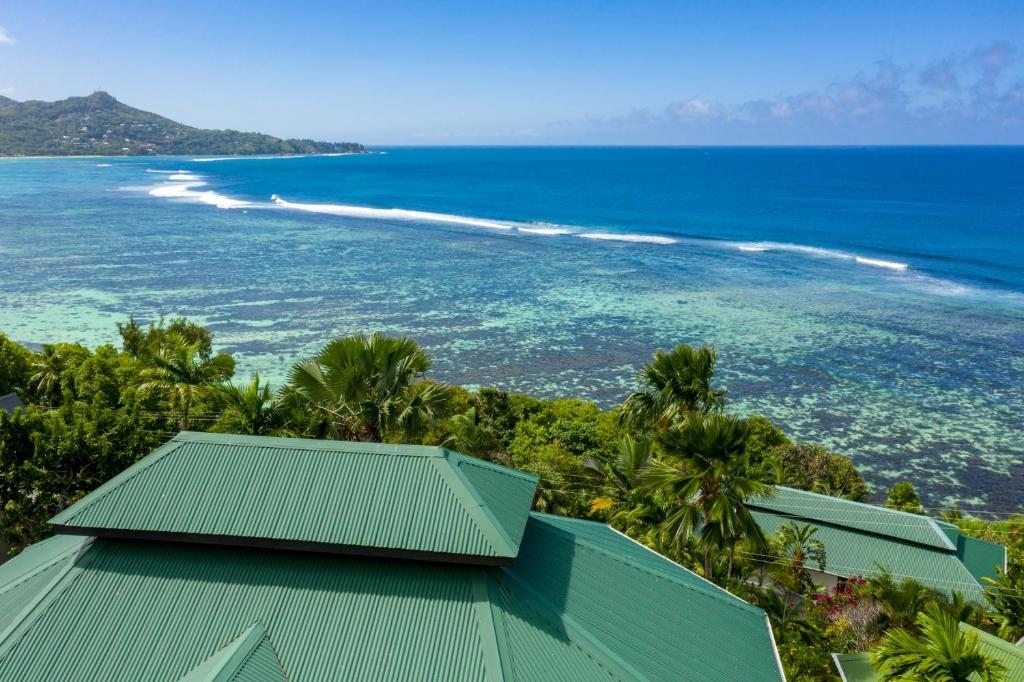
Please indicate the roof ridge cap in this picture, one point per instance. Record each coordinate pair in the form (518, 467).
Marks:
(932, 523)
(154, 458)
(490, 466)
(719, 593)
(288, 443)
(488, 525)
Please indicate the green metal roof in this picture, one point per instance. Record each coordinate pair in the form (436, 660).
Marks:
(865, 518)
(857, 667)
(860, 538)
(581, 602)
(250, 657)
(394, 500)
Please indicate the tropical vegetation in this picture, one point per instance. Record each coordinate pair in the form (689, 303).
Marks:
(671, 467)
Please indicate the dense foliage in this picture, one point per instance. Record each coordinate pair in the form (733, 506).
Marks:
(671, 468)
(99, 124)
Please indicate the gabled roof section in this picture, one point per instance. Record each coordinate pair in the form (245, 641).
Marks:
(250, 657)
(849, 553)
(860, 538)
(288, 493)
(802, 505)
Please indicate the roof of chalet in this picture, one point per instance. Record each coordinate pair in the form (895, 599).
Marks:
(857, 667)
(333, 496)
(577, 601)
(859, 538)
(9, 402)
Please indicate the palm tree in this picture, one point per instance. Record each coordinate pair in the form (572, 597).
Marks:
(47, 369)
(179, 370)
(470, 436)
(707, 478)
(673, 384)
(797, 548)
(900, 601)
(628, 506)
(251, 409)
(369, 387)
(1005, 593)
(942, 653)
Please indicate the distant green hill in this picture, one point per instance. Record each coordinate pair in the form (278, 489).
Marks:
(99, 124)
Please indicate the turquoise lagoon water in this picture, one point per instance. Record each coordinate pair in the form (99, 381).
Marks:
(868, 299)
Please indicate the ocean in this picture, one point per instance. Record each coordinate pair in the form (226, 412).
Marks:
(869, 299)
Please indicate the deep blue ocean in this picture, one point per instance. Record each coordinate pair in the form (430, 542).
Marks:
(871, 299)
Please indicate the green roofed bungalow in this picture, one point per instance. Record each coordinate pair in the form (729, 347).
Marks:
(246, 558)
(860, 538)
(857, 667)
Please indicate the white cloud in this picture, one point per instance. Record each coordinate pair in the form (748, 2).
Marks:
(5, 37)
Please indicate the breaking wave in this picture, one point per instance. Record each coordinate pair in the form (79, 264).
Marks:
(819, 252)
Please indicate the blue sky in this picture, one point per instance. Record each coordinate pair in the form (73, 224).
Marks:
(550, 72)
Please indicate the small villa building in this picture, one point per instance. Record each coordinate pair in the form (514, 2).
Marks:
(860, 539)
(252, 559)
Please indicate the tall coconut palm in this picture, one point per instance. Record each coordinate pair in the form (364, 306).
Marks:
(707, 478)
(47, 368)
(179, 371)
(797, 548)
(673, 384)
(942, 653)
(251, 409)
(369, 387)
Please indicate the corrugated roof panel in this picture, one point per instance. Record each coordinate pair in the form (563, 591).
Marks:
(154, 611)
(537, 645)
(23, 581)
(853, 553)
(666, 624)
(866, 518)
(345, 496)
(1012, 657)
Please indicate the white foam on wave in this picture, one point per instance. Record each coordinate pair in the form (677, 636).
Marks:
(546, 231)
(390, 214)
(103, 165)
(184, 177)
(187, 191)
(155, 170)
(820, 252)
(879, 263)
(626, 237)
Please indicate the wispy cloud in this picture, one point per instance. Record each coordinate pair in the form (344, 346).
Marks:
(976, 96)
(5, 37)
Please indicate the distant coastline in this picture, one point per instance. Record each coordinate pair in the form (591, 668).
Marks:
(101, 126)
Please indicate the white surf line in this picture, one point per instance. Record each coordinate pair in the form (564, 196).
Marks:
(183, 186)
(879, 263)
(626, 237)
(819, 252)
(390, 214)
